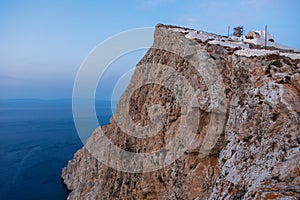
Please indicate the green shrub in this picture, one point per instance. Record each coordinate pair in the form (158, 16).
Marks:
(275, 116)
(277, 63)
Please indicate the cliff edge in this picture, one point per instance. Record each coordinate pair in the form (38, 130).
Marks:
(240, 102)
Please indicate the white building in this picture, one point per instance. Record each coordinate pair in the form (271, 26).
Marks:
(259, 39)
(262, 34)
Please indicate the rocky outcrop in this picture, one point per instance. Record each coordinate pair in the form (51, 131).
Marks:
(242, 106)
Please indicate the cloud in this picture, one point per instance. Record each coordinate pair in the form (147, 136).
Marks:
(255, 4)
(7, 80)
(152, 3)
(190, 21)
(5, 77)
(217, 15)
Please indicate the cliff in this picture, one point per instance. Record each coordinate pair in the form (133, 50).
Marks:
(224, 118)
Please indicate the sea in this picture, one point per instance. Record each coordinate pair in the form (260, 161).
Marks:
(37, 138)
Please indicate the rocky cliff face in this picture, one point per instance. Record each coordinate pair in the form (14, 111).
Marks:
(241, 104)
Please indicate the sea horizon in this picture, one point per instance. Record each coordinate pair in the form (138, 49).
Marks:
(37, 138)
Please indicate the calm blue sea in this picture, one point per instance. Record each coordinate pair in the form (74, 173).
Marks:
(37, 138)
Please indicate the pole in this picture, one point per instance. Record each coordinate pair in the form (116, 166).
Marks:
(228, 31)
(265, 36)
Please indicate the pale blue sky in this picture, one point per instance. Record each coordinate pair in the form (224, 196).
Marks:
(43, 43)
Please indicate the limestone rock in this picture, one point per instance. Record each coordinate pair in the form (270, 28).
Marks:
(254, 156)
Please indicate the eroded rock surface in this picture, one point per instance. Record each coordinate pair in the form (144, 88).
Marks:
(256, 155)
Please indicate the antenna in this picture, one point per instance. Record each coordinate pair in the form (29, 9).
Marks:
(228, 31)
(265, 36)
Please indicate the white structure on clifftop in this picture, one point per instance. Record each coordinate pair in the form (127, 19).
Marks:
(257, 37)
(237, 42)
(260, 38)
(262, 34)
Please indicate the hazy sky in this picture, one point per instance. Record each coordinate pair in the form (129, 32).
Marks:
(43, 43)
